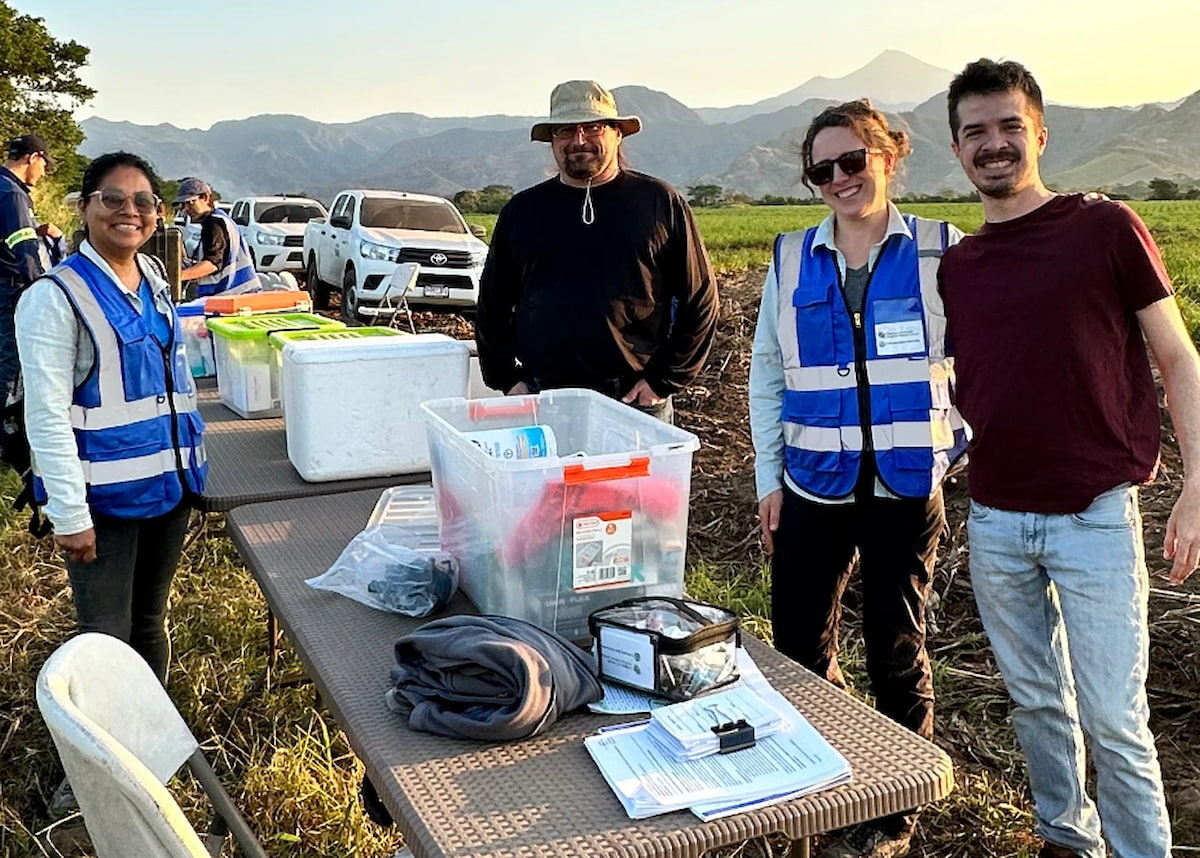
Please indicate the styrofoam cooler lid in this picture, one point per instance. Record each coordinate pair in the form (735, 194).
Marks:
(279, 339)
(314, 351)
(260, 327)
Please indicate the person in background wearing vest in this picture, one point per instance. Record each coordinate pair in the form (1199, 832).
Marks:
(1051, 306)
(854, 426)
(111, 411)
(222, 263)
(26, 245)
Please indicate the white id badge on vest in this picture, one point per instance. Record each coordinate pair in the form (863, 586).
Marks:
(899, 327)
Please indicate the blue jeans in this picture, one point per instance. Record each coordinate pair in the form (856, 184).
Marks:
(1063, 600)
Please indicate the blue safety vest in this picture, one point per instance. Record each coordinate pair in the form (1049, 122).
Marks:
(136, 427)
(237, 268)
(876, 384)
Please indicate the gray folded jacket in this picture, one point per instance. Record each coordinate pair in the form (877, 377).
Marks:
(488, 677)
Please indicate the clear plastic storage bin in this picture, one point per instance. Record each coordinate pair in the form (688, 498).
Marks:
(247, 376)
(197, 341)
(550, 540)
(353, 402)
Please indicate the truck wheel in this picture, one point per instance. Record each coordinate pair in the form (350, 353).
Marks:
(318, 289)
(349, 296)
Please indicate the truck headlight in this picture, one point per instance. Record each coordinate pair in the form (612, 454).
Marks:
(370, 250)
(269, 238)
(478, 257)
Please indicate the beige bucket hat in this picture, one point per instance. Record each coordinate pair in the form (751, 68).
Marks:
(580, 101)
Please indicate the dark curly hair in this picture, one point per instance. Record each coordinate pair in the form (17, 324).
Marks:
(987, 77)
(867, 123)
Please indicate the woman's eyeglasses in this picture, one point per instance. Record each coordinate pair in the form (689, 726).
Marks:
(114, 200)
(854, 161)
(589, 129)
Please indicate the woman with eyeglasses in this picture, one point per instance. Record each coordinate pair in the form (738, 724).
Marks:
(854, 426)
(110, 410)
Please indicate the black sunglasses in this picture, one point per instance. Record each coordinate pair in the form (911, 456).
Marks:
(854, 161)
(114, 200)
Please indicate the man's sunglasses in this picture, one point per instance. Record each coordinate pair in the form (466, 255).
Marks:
(589, 129)
(114, 200)
(854, 161)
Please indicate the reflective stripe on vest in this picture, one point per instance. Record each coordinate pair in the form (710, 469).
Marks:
(237, 268)
(915, 431)
(136, 444)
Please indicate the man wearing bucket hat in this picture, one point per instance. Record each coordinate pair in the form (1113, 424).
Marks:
(24, 252)
(597, 277)
(222, 262)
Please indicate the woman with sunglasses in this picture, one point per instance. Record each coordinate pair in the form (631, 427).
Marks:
(853, 425)
(110, 410)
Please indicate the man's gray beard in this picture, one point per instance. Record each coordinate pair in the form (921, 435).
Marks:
(587, 169)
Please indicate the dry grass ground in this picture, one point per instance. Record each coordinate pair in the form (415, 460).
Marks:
(289, 767)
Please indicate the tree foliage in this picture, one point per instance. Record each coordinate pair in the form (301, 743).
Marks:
(703, 196)
(1163, 189)
(489, 200)
(39, 86)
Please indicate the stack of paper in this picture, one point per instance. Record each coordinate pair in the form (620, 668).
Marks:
(647, 779)
(686, 730)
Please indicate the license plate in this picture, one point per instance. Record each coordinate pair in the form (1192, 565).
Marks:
(437, 291)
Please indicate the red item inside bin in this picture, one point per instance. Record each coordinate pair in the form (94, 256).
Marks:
(559, 504)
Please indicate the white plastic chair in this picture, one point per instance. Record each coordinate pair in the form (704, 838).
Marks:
(120, 739)
(403, 279)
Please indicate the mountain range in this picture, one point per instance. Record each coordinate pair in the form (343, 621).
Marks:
(748, 148)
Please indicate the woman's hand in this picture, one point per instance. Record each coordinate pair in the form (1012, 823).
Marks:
(80, 547)
(768, 518)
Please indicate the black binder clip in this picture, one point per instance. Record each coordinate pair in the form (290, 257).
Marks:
(734, 736)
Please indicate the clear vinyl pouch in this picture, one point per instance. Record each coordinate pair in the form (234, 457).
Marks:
(674, 648)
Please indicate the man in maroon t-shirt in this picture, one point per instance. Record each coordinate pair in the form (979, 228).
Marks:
(1050, 307)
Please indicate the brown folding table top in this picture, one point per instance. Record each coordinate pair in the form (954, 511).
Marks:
(543, 796)
(248, 460)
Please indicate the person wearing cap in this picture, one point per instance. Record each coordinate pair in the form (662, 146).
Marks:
(222, 262)
(597, 277)
(26, 246)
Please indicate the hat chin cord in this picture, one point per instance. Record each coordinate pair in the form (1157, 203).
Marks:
(588, 215)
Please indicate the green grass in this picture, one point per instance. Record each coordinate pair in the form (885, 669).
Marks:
(739, 238)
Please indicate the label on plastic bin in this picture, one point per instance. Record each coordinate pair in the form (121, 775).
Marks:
(524, 442)
(602, 550)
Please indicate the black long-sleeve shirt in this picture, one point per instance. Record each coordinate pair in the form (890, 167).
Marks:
(630, 296)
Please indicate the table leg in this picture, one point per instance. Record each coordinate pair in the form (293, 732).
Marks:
(272, 640)
(798, 849)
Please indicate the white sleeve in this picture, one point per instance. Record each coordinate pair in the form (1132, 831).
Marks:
(47, 333)
(766, 392)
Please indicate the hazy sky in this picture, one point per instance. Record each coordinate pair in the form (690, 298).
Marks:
(192, 64)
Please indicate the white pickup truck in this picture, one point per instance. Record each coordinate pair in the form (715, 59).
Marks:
(369, 233)
(273, 229)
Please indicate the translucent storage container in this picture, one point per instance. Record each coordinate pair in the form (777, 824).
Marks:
(247, 377)
(202, 360)
(550, 540)
(354, 402)
(282, 301)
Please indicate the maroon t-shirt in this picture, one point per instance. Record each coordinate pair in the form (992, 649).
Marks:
(1053, 376)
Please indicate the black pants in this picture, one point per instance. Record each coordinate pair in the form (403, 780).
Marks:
(124, 591)
(896, 541)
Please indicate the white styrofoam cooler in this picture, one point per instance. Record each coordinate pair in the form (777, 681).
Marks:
(353, 406)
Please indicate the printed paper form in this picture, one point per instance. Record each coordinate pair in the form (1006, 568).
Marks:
(648, 782)
(685, 730)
